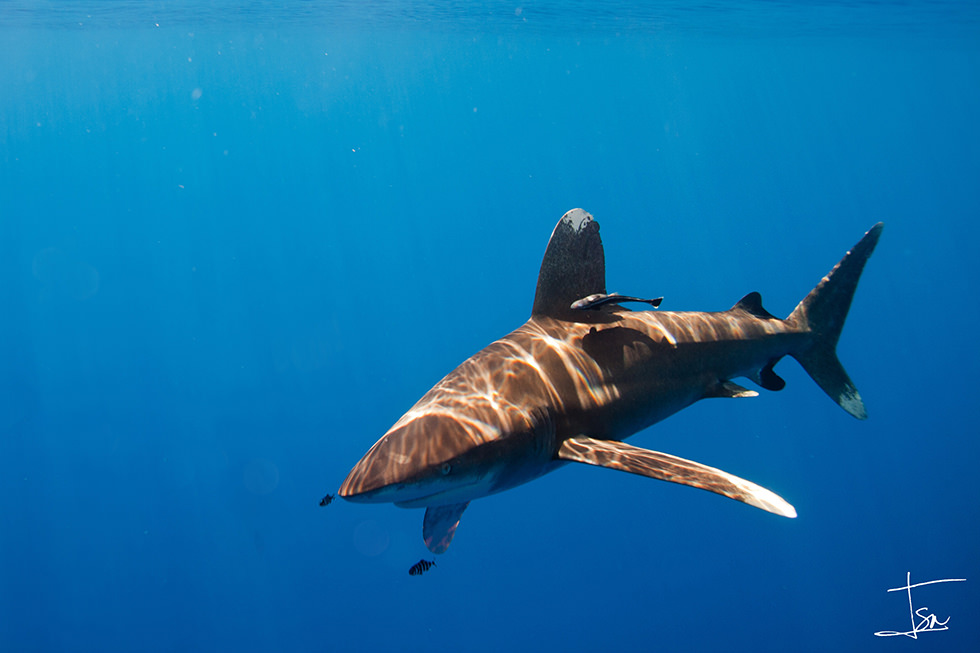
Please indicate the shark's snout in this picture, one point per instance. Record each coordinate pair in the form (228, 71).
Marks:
(411, 461)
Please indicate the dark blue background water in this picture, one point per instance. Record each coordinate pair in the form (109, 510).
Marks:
(238, 242)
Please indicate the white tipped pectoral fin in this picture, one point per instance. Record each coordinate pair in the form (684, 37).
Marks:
(662, 466)
(439, 525)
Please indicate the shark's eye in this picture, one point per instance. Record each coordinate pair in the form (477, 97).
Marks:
(446, 468)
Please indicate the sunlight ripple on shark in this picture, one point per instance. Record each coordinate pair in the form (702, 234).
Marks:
(584, 373)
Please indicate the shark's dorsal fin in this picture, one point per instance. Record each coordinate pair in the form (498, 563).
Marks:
(662, 466)
(752, 304)
(439, 525)
(574, 266)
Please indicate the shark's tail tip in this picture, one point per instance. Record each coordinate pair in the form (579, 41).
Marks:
(822, 314)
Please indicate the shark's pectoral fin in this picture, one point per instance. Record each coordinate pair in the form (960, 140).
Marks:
(439, 525)
(654, 464)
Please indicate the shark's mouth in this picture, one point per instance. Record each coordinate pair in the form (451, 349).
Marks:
(460, 491)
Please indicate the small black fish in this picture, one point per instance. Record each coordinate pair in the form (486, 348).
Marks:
(421, 567)
(325, 501)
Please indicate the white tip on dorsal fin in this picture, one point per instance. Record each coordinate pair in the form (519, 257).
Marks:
(662, 466)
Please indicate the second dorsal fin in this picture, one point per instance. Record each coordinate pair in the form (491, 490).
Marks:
(752, 304)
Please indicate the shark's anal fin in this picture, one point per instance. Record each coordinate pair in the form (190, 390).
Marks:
(439, 525)
(662, 466)
(768, 379)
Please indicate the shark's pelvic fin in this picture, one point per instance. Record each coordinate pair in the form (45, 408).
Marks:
(662, 466)
(439, 525)
(729, 390)
(822, 313)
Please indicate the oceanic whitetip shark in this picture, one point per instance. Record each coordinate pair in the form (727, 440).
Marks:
(584, 373)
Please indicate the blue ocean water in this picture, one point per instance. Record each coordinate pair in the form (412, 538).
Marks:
(239, 240)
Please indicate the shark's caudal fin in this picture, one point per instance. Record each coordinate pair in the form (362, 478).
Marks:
(822, 313)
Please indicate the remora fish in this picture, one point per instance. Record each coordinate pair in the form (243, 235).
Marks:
(571, 384)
